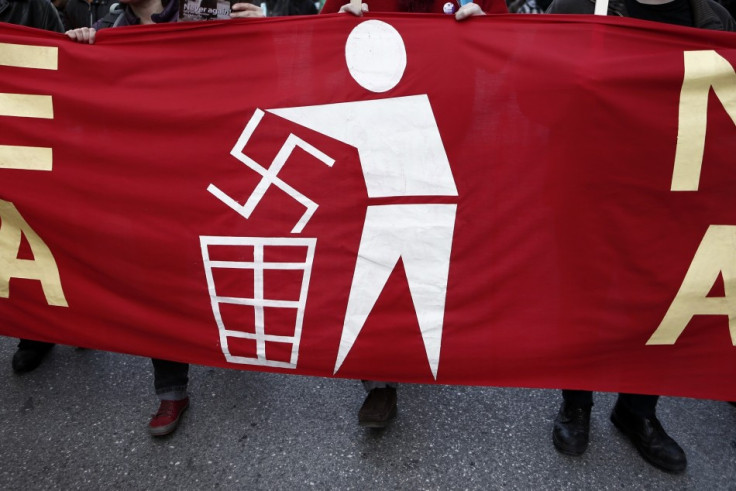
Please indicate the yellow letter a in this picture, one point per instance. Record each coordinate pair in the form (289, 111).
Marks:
(715, 255)
(42, 267)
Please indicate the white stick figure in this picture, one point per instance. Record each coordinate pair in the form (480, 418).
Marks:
(401, 154)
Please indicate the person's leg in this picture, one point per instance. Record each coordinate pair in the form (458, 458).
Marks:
(170, 380)
(635, 416)
(578, 397)
(379, 406)
(369, 385)
(571, 430)
(29, 355)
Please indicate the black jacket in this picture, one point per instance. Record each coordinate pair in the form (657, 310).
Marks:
(32, 13)
(277, 8)
(80, 13)
(122, 15)
(707, 14)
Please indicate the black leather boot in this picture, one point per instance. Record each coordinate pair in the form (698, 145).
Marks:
(379, 408)
(650, 439)
(571, 430)
(30, 354)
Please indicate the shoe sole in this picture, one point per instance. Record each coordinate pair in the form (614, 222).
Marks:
(377, 425)
(620, 427)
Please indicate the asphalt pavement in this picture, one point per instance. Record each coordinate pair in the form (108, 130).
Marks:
(79, 422)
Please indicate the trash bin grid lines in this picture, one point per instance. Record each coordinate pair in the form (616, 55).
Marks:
(260, 265)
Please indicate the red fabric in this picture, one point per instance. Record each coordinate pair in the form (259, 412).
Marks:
(488, 6)
(568, 245)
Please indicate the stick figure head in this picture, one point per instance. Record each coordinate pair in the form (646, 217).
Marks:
(375, 55)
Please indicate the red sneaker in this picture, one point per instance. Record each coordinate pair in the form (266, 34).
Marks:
(167, 417)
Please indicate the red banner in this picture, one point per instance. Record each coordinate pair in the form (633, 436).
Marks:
(533, 201)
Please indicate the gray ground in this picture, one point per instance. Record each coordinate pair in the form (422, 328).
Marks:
(79, 422)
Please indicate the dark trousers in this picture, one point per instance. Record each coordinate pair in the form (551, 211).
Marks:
(170, 378)
(642, 405)
(28, 344)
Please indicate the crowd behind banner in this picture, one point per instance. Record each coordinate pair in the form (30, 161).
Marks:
(633, 414)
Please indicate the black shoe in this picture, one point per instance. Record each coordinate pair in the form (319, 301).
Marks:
(378, 409)
(28, 358)
(572, 426)
(650, 439)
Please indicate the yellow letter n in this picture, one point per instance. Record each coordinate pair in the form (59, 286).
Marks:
(703, 70)
(715, 256)
(42, 267)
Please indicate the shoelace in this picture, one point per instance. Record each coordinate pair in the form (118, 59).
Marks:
(166, 410)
